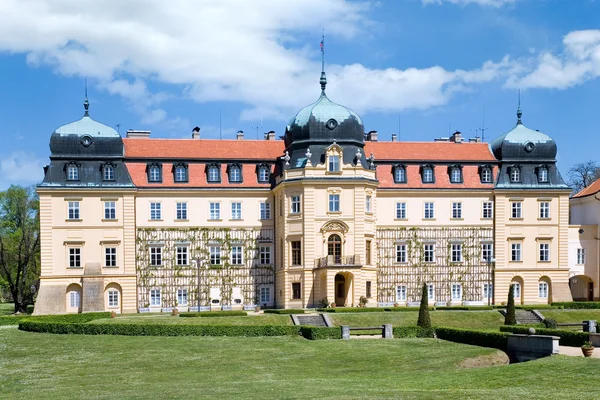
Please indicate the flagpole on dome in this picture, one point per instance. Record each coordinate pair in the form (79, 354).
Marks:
(323, 80)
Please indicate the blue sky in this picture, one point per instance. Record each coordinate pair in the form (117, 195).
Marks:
(435, 63)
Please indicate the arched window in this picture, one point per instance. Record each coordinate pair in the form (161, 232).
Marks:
(334, 248)
(427, 174)
(486, 174)
(154, 173)
(542, 174)
(214, 173)
(264, 173)
(456, 174)
(108, 172)
(72, 171)
(74, 299)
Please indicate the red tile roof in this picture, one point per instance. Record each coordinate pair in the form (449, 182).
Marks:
(471, 179)
(429, 151)
(590, 190)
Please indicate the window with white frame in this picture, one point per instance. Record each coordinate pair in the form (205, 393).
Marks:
(544, 252)
(429, 253)
(430, 292)
(74, 299)
(515, 174)
(182, 255)
(155, 256)
(155, 298)
(75, 257)
(155, 211)
(543, 290)
(73, 210)
(516, 209)
(235, 173)
(265, 210)
(215, 255)
(110, 210)
(265, 294)
(487, 252)
(108, 173)
(544, 209)
(456, 291)
(264, 255)
(214, 173)
(515, 252)
(400, 174)
(113, 298)
(486, 175)
(334, 202)
(214, 211)
(542, 174)
(487, 209)
(429, 210)
(401, 293)
(455, 175)
(401, 253)
(457, 210)
(516, 290)
(182, 297)
(368, 203)
(72, 172)
(334, 163)
(180, 173)
(580, 256)
(263, 174)
(456, 249)
(488, 290)
(427, 174)
(110, 256)
(295, 205)
(154, 173)
(236, 255)
(236, 210)
(181, 211)
(400, 210)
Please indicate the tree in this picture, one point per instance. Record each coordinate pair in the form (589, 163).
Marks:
(510, 318)
(583, 175)
(19, 244)
(424, 319)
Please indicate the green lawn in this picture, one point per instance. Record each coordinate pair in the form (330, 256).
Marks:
(6, 308)
(45, 366)
(566, 316)
(265, 319)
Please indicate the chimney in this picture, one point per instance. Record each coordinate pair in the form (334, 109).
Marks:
(475, 139)
(135, 134)
(456, 137)
(441, 139)
(394, 137)
(372, 136)
(240, 135)
(270, 135)
(196, 133)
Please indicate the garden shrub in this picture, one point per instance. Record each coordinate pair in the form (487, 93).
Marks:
(496, 340)
(510, 317)
(567, 338)
(320, 332)
(578, 304)
(13, 319)
(413, 332)
(285, 311)
(214, 314)
(424, 320)
(550, 323)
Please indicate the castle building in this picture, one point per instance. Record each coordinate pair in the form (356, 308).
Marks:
(328, 215)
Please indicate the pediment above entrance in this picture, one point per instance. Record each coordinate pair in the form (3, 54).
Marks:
(335, 226)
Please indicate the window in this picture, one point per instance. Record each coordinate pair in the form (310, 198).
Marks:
(214, 211)
(265, 210)
(488, 290)
(264, 254)
(544, 210)
(75, 257)
(516, 290)
(429, 210)
(486, 175)
(515, 174)
(113, 298)
(334, 203)
(182, 297)
(543, 290)
(401, 253)
(182, 255)
(236, 210)
(487, 252)
(515, 252)
(334, 164)
(427, 174)
(544, 251)
(456, 291)
(180, 173)
(265, 294)
(155, 297)
(108, 173)
(368, 252)
(110, 256)
(456, 249)
(72, 172)
(154, 173)
(430, 292)
(456, 210)
(400, 210)
(295, 205)
(516, 208)
(181, 211)
(542, 174)
(155, 256)
(263, 174)
(236, 257)
(214, 173)
(368, 204)
(215, 255)
(455, 175)
(235, 173)
(296, 292)
(487, 209)
(580, 256)
(73, 208)
(401, 293)
(74, 299)
(155, 211)
(429, 253)
(296, 253)
(110, 210)
(400, 174)
(368, 289)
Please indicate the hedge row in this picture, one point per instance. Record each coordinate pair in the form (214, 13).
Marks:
(320, 333)
(285, 311)
(214, 314)
(579, 304)
(413, 332)
(567, 338)
(496, 340)
(400, 309)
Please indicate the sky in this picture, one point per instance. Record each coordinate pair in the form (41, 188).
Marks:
(423, 68)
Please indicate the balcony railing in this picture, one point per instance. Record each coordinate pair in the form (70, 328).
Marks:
(337, 261)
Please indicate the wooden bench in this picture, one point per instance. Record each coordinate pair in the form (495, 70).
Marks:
(386, 330)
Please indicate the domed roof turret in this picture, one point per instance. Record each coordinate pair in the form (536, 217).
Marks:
(87, 126)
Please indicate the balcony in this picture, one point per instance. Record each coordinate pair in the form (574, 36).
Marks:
(339, 261)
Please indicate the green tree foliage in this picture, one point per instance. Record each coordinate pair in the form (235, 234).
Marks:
(510, 318)
(424, 319)
(19, 244)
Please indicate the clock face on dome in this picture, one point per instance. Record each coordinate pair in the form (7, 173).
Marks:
(331, 124)
(86, 140)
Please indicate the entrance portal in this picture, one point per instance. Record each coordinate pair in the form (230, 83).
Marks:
(340, 290)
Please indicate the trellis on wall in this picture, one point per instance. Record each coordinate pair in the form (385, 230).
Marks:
(169, 277)
(471, 273)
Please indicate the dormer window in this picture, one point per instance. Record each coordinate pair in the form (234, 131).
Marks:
(213, 173)
(427, 174)
(334, 163)
(515, 174)
(154, 173)
(72, 171)
(235, 173)
(180, 173)
(542, 174)
(264, 173)
(108, 172)
(399, 174)
(485, 173)
(456, 174)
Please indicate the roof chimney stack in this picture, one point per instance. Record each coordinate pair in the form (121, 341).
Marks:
(196, 133)
(394, 137)
(372, 136)
(240, 135)
(270, 135)
(456, 137)
(136, 134)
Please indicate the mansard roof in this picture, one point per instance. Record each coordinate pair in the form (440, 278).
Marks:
(430, 151)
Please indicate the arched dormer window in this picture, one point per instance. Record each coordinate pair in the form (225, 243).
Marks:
(485, 174)
(213, 173)
(264, 173)
(235, 173)
(455, 172)
(334, 157)
(542, 174)
(154, 172)
(515, 173)
(108, 171)
(72, 171)
(427, 175)
(399, 173)
(180, 172)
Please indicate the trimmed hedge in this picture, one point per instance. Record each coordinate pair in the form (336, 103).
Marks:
(286, 311)
(350, 309)
(402, 309)
(496, 340)
(413, 332)
(214, 314)
(530, 307)
(320, 332)
(579, 304)
(567, 338)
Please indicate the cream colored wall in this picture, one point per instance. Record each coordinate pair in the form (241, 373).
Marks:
(585, 240)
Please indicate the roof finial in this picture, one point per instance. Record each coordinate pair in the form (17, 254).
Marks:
(323, 80)
(86, 103)
(519, 112)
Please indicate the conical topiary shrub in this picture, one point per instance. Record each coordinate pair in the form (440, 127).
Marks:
(424, 319)
(510, 318)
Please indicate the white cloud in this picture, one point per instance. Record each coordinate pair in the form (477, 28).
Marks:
(20, 168)
(489, 3)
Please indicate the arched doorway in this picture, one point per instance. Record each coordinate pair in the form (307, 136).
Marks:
(517, 284)
(334, 248)
(73, 298)
(582, 288)
(340, 290)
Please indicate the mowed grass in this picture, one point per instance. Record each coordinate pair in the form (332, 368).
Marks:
(265, 319)
(567, 316)
(46, 366)
(6, 308)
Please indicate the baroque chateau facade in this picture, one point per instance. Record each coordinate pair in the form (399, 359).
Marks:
(327, 215)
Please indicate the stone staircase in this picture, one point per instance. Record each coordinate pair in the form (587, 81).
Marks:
(526, 317)
(312, 320)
